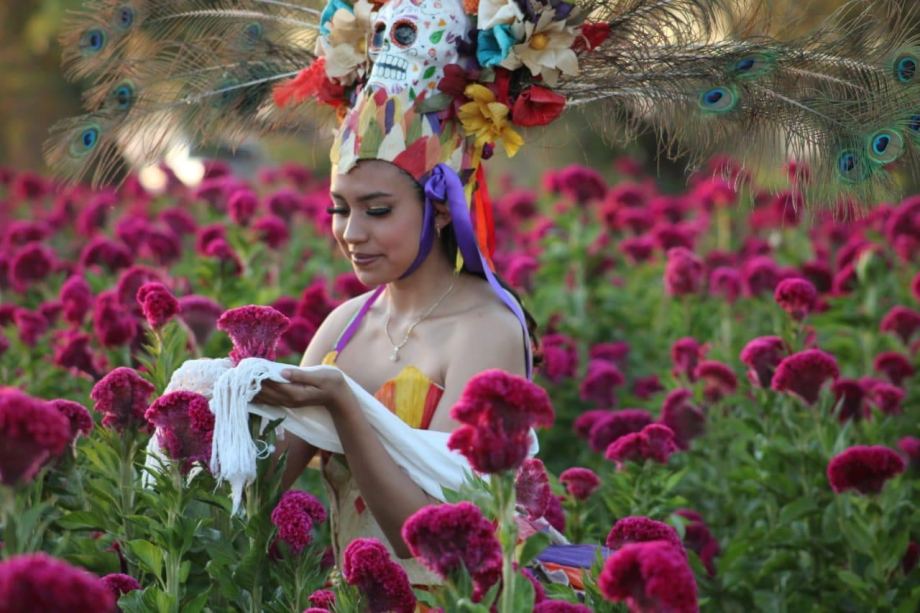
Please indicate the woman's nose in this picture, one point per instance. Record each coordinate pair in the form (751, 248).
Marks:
(355, 231)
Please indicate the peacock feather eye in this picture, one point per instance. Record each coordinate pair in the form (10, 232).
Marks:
(913, 124)
(885, 146)
(851, 167)
(123, 96)
(718, 100)
(905, 68)
(124, 17)
(752, 66)
(226, 92)
(85, 141)
(93, 41)
(253, 32)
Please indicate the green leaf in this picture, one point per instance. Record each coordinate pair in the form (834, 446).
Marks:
(797, 509)
(196, 604)
(436, 37)
(533, 546)
(81, 520)
(429, 72)
(149, 555)
(853, 580)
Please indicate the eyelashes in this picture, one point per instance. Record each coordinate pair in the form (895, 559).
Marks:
(342, 210)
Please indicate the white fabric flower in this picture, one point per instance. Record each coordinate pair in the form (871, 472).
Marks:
(546, 49)
(497, 12)
(345, 48)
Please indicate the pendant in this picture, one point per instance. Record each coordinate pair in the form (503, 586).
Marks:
(394, 357)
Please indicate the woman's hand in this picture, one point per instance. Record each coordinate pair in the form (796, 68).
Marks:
(325, 387)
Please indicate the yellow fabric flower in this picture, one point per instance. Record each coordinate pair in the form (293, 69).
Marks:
(487, 120)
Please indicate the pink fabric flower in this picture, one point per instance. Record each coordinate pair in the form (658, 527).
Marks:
(531, 487)
(560, 357)
(725, 281)
(30, 265)
(894, 365)
(686, 354)
(559, 606)
(650, 577)
(38, 582)
(864, 469)
(200, 314)
(185, 427)
(367, 565)
(81, 422)
(294, 516)
(254, 330)
(600, 384)
(445, 536)
(805, 373)
(640, 529)
(580, 482)
(684, 418)
(120, 584)
(497, 410)
(850, 400)
(762, 355)
(683, 273)
(700, 540)
(797, 297)
(901, 321)
(121, 396)
(272, 230)
(31, 432)
(76, 299)
(616, 424)
(653, 442)
(157, 303)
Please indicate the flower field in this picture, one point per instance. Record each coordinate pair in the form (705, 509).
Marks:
(727, 403)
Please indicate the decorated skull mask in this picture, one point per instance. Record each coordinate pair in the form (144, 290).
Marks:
(411, 43)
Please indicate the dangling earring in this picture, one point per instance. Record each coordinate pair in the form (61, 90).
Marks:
(438, 230)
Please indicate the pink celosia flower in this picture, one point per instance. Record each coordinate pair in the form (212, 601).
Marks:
(559, 606)
(221, 250)
(297, 337)
(600, 383)
(366, 564)
(580, 482)
(120, 584)
(902, 321)
(638, 248)
(163, 245)
(284, 203)
(616, 424)
(910, 446)
(584, 422)
(555, 514)
(639, 529)
(38, 582)
(819, 274)
(850, 400)
(646, 387)
(294, 516)
(580, 183)
(200, 314)
(520, 271)
(242, 205)
(560, 357)
(650, 577)
(112, 323)
(845, 280)
(31, 264)
(686, 354)
(272, 230)
(762, 355)
(348, 285)
(31, 432)
(94, 215)
(121, 396)
(81, 422)
(132, 229)
(103, 251)
(129, 282)
(886, 398)
(157, 303)
(180, 221)
(616, 352)
(915, 287)
(315, 303)
(653, 442)
(684, 418)
(76, 299)
(683, 273)
(894, 365)
(714, 193)
(51, 310)
(805, 373)
(445, 536)
(797, 297)
(719, 379)
(675, 236)
(725, 282)
(497, 410)
(31, 325)
(699, 539)
(864, 468)
(760, 275)
(531, 488)
(185, 427)
(519, 205)
(323, 599)
(254, 330)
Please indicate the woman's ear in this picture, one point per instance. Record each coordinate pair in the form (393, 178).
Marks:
(441, 213)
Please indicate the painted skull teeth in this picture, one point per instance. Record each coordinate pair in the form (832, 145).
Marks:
(389, 66)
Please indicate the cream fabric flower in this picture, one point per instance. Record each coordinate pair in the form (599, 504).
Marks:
(497, 12)
(546, 50)
(345, 49)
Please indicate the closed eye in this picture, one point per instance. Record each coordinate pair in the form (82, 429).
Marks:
(344, 210)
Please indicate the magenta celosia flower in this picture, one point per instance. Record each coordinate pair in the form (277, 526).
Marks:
(845, 280)
(699, 539)
(616, 424)
(684, 418)
(555, 514)
(894, 365)
(713, 193)
(112, 323)
(760, 275)
(254, 330)
(129, 282)
(910, 446)
(864, 468)
(200, 314)
(366, 564)
(164, 245)
(31, 264)
(120, 584)
(122, 397)
(616, 352)
(646, 387)
(850, 399)
(901, 321)
(179, 221)
(638, 248)
(4, 344)
(762, 355)
(915, 287)
(185, 427)
(497, 410)
(81, 422)
(315, 303)
(650, 577)
(559, 606)
(39, 582)
(584, 422)
(76, 299)
(531, 487)
(600, 383)
(103, 251)
(50, 310)
(348, 285)
(580, 183)
(653, 442)
(819, 274)
(31, 325)
(284, 203)
(797, 297)
(725, 282)
(805, 373)
(132, 229)
(886, 398)
(683, 273)
(719, 379)
(294, 516)
(519, 204)
(580, 482)
(157, 303)
(323, 599)
(205, 234)
(686, 354)
(222, 251)
(445, 536)
(639, 529)
(560, 357)
(31, 432)
(272, 230)
(676, 236)
(911, 557)
(242, 205)
(520, 270)
(297, 337)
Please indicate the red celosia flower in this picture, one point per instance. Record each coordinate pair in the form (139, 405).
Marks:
(445, 536)
(284, 203)
(911, 557)
(497, 410)
(683, 273)
(580, 183)
(315, 303)
(294, 515)
(580, 482)
(762, 355)
(864, 468)
(81, 422)
(714, 192)
(242, 205)
(121, 396)
(886, 398)
(915, 287)
(129, 282)
(32, 326)
(520, 270)
(677, 236)
(599, 385)
(699, 539)
(725, 282)
(719, 379)
(272, 230)
(76, 299)
(894, 365)
(559, 606)
(348, 285)
(200, 314)
(797, 297)
(901, 321)
(639, 529)
(653, 442)
(560, 357)
(221, 250)
(366, 564)
(112, 323)
(805, 373)
(164, 245)
(38, 582)
(31, 432)
(31, 264)
(185, 427)
(531, 487)
(323, 599)
(132, 229)
(120, 584)
(845, 280)
(555, 514)
(686, 354)
(650, 577)
(157, 303)
(684, 418)
(205, 234)
(609, 428)
(297, 336)
(910, 446)
(819, 274)
(760, 274)
(103, 251)
(254, 330)
(646, 387)
(638, 248)
(615, 352)
(850, 398)
(584, 422)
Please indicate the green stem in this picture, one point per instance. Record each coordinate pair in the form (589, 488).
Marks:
(126, 481)
(7, 515)
(174, 557)
(508, 531)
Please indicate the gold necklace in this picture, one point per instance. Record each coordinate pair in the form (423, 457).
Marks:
(394, 356)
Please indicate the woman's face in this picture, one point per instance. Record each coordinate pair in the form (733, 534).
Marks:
(376, 220)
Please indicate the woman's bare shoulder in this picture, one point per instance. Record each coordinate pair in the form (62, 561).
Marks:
(328, 331)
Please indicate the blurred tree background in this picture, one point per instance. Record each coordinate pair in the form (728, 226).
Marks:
(34, 96)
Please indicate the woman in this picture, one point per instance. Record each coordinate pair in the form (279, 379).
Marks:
(415, 347)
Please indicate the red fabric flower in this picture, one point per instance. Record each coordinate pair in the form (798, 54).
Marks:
(903, 322)
(31, 432)
(600, 384)
(762, 355)
(38, 582)
(684, 418)
(805, 373)
(639, 529)
(653, 442)
(537, 106)
(797, 297)
(616, 424)
(311, 82)
(580, 482)
(591, 35)
(650, 577)
(686, 354)
(366, 564)
(294, 516)
(719, 379)
(254, 330)
(864, 468)
(200, 314)
(157, 303)
(121, 396)
(185, 427)
(531, 487)
(894, 365)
